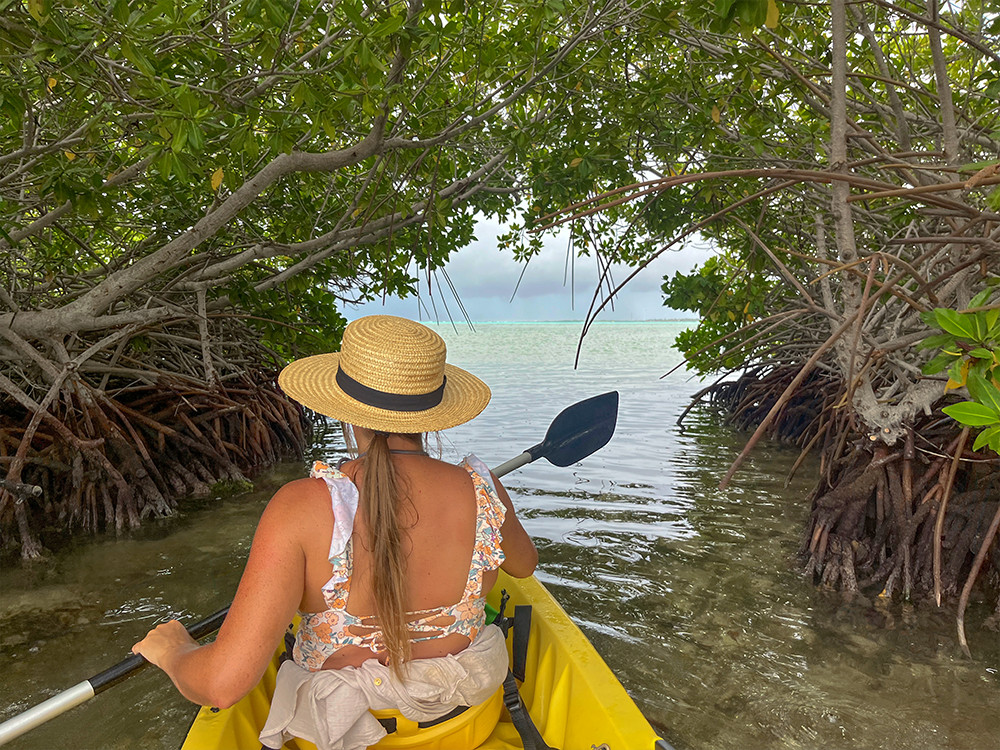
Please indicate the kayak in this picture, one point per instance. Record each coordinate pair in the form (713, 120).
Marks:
(573, 698)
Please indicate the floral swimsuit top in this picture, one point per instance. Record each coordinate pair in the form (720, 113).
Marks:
(321, 634)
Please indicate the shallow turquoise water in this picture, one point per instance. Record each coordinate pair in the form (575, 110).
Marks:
(690, 593)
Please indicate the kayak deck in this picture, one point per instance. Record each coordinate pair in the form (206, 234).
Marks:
(571, 694)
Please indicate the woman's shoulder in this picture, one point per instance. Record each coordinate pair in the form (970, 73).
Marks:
(293, 510)
(439, 476)
(300, 495)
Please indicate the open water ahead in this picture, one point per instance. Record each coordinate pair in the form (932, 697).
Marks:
(689, 592)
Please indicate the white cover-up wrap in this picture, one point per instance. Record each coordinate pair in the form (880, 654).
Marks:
(330, 707)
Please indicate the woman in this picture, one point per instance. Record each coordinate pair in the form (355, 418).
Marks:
(375, 554)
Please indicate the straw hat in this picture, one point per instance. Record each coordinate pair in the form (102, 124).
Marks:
(389, 375)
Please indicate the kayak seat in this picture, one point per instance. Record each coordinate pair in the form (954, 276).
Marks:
(462, 731)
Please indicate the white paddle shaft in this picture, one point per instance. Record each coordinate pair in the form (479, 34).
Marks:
(38, 715)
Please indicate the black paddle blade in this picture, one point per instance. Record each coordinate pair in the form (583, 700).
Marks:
(579, 430)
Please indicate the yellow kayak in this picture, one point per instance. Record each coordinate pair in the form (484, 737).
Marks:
(572, 696)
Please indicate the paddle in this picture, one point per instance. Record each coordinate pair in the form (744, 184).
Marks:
(578, 431)
(84, 691)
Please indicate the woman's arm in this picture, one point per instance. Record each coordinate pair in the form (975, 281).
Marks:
(519, 551)
(222, 672)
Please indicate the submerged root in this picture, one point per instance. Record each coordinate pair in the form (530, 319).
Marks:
(921, 522)
(107, 460)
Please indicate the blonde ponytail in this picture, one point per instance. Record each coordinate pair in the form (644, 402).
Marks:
(380, 500)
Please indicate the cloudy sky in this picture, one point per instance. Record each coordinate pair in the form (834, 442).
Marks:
(486, 278)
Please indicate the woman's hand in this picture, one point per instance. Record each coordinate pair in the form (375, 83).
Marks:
(164, 642)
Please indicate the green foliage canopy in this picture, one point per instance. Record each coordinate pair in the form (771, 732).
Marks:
(734, 141)
(271, 155)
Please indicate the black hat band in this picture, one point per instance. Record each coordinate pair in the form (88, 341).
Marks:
(391, 401)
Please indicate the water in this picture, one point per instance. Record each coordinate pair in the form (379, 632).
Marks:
(689, 592)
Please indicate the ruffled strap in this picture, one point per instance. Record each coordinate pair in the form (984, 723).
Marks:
(491, 512)
(344, 501)
(476, 466)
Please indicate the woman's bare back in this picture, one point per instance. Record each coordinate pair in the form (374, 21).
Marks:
(437, 515)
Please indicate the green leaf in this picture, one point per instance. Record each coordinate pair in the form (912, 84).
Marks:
(180, 137)
(994, 441)
(276, 13)
(135, 56)
(252, 148)
(977, 321)
(955, 374)
(983, 391)
(39, 10)
(722, 7)
(992, 316)
(981, 299)
(939, 363)
(953, 322)
(976, 166)
(298, 94)
(752, 12)
(353, 14)
(180, 168)
(389, 26)
(979, 367)
(938, 341)
(120, 11)
(981, 353)
(990, 436)
(993, 199)
(195, 137)
(166, 164)
(971, 414)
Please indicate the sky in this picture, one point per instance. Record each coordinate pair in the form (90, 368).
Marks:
(485, 280)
